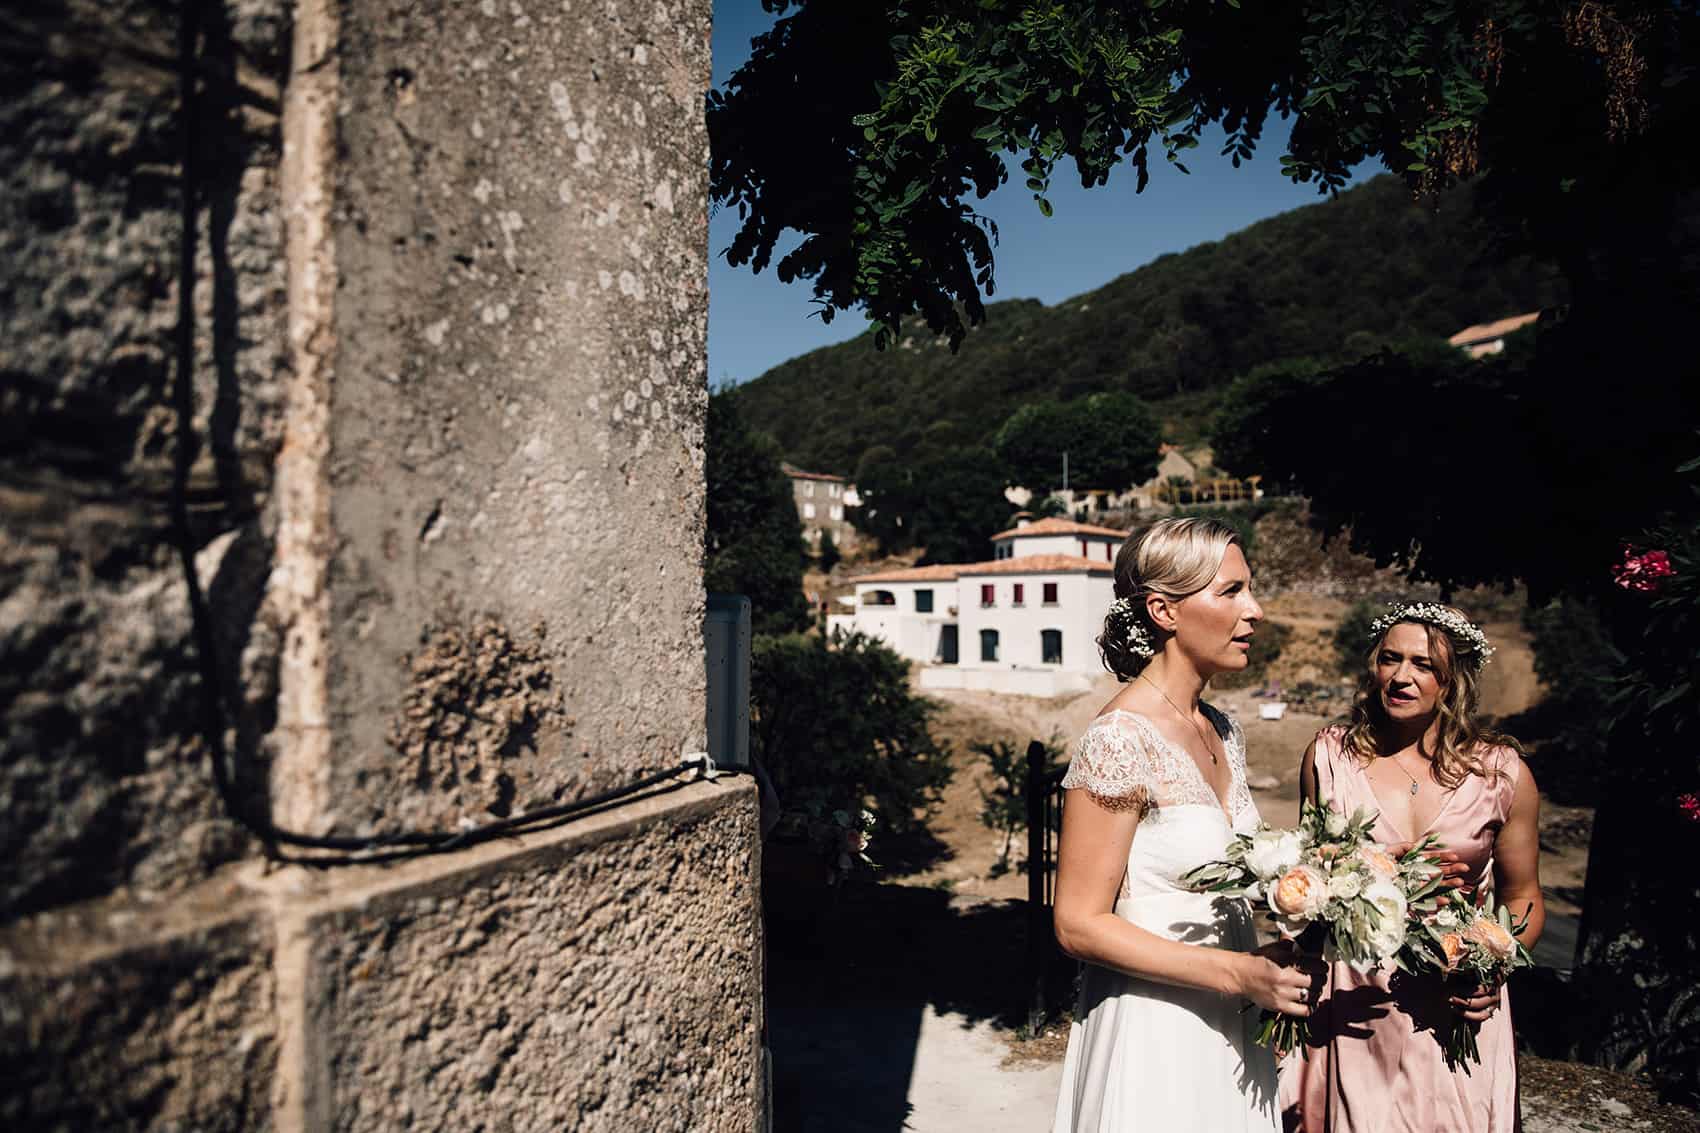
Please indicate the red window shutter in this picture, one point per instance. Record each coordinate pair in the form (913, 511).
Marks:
(1018, 589)
(987, 594)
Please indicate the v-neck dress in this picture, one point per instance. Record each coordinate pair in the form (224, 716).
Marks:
(1375, 1064)
(1144, 1055)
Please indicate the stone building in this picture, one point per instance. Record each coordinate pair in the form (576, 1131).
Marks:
(821, 499)
(387, 321)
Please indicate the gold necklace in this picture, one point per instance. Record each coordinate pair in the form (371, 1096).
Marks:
(1212, 751)
(1415, 786)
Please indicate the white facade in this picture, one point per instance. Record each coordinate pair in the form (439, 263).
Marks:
(1059, 537)
(1025, 625)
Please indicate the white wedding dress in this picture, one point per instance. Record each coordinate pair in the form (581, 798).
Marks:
(1143, 1055)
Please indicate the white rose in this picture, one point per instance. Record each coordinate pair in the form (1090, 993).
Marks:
(1345, 886)
(1446, 918)
(1273, 852)
(1335, 825)
(1387, 939)
(1389, 903)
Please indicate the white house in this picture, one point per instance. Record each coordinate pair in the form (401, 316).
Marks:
(1054, 536)
(1026, 622)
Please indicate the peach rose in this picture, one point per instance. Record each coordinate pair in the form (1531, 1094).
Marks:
(1452, 945)
(1327, 852)
(1492, 937)
(1300, 894)
(1377, 861)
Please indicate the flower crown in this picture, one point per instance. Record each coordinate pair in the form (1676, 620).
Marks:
(1469, 635)
(1123, 617)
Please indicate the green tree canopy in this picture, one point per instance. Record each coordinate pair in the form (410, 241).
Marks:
(754, 541)
(870, 127)
(949, 501)
(1111, 440)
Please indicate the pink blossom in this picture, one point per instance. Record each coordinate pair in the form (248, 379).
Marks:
(1643, 571)
(1689, 804)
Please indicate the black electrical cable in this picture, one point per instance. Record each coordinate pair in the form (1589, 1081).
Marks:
(378, 847)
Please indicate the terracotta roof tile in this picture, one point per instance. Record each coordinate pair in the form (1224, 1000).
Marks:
(1021, 564)
(1499, 328)
(1053, 525)
(938, 572)
(1041, 564)
(796, 473)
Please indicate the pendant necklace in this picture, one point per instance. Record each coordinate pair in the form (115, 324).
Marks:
(1213, 760)
(1414, 784)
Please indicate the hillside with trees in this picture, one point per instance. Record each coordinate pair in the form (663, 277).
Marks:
(1332, 281)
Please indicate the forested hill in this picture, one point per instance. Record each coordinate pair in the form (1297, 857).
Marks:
(1330, 280)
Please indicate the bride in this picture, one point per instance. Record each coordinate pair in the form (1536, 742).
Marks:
(1162, 1037)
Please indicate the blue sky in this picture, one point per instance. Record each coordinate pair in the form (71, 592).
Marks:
(756, 322)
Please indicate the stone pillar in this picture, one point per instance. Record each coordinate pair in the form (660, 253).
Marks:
(439, 283)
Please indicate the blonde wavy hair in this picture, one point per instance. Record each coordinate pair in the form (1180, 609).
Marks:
(1174, 557)
(1461, 743)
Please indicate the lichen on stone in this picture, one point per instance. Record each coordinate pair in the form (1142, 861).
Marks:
(475, 698)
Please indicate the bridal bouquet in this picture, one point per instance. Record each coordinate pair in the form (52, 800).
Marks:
(1470, 946)
(1330, 888)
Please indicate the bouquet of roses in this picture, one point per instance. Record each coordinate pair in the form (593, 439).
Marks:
(1469, 945)
(1330, 888)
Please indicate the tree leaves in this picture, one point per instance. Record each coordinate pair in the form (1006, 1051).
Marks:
(843, 109)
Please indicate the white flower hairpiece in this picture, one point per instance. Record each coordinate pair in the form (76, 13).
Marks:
(1468, 634)
(1124, 618)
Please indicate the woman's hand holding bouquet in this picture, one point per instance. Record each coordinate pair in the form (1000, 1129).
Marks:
(1330, 888)
(1472, 947)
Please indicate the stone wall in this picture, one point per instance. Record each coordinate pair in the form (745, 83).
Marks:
(439, 286)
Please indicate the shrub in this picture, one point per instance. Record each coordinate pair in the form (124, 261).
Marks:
(837, 729)
(1004, 804)
(1351, 637)
(1266, 648)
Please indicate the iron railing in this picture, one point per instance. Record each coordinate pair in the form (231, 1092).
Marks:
(1044, 823)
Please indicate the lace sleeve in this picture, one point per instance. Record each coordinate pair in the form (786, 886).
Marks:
(1114, 766)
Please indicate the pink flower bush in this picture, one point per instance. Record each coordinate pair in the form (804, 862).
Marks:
(1644, 571)
(1689, 804)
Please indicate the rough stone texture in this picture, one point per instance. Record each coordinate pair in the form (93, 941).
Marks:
(519, 387)
(473, 702)
(610, 981)
(102, 776)
(175, 1032)
(507, 200)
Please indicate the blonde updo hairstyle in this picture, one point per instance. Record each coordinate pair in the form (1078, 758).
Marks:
(1173, 558)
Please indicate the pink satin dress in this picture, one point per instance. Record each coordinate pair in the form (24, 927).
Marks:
(1375, 1064)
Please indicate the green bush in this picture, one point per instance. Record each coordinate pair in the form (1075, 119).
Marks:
(837, 729)
(1242, 518)
(1004, 805)
(828, 555)
(1351, 637)
(1266, 647)
(754, 542)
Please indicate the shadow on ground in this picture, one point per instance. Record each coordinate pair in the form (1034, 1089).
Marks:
(850, 975)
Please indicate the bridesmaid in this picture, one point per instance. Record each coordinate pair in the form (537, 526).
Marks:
(1414, 750)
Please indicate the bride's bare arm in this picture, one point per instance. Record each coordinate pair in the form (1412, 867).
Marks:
(1091, 859)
